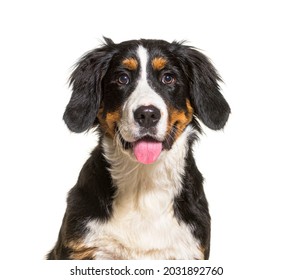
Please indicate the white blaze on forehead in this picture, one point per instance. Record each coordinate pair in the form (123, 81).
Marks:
(143, 95)
(143, 59)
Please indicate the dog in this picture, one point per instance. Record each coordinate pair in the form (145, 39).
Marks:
(140, 194)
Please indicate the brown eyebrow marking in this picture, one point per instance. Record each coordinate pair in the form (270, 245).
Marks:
(159, 63)
(130, 63)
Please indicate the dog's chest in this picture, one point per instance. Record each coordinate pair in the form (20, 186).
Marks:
(143, 225)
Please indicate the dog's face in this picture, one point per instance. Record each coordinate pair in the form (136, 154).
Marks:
(144, 93)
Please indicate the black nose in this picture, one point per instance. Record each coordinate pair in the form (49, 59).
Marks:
(147, 116)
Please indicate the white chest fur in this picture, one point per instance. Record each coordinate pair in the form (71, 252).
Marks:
(143, 225)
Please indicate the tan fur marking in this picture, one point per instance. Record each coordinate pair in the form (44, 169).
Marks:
(180, 119)
(108, 124)
(130, 63)
(202, 250)
(80, 251)
(159, 63)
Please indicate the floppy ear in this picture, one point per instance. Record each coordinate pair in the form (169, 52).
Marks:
(209, 104)
(81, 111)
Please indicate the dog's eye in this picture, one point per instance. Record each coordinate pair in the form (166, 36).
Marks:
(123, 79)
(168, 79)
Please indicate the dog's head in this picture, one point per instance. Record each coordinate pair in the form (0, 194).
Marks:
(145, 93)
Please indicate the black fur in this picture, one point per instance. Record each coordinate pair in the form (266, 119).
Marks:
(191, 205)
(91, 197)
(86, 81)
(210, 105)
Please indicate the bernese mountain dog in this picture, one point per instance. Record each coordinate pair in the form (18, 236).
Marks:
(140, 194)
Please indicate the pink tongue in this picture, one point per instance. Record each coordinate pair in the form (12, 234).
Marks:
(147, 152)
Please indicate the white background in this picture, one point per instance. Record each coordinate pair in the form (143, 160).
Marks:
(248, 166)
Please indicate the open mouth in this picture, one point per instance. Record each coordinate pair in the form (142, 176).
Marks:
(148, 149)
